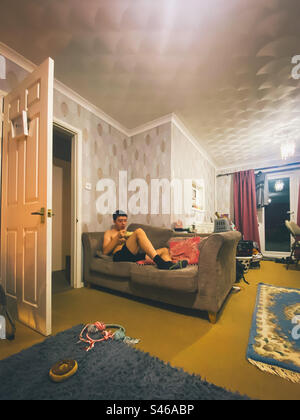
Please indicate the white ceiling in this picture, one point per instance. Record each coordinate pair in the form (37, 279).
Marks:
(223, 66)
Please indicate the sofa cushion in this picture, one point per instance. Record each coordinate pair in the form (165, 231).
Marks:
(158, 236)
(177, 280)
(99, 254)
(107, 266)
(185, 249)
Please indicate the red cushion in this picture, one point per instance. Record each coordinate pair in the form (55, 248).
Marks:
(181, 249)
(185, 249)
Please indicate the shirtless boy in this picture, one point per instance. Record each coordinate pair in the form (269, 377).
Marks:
(125, 246)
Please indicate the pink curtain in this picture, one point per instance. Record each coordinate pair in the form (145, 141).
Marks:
(245, 205)
(298, 217)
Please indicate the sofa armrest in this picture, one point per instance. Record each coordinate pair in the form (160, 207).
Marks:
(92, 242)
(217, 268)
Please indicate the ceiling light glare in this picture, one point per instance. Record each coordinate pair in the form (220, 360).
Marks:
(279, 186)
(287, 150)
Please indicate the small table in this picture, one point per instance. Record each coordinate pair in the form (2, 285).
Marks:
(246, 261)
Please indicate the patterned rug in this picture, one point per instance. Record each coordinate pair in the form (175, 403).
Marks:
(274, 344)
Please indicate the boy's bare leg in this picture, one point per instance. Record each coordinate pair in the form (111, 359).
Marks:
(163, 253)
(138, 240)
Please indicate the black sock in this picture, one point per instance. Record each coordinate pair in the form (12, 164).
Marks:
(162, 264)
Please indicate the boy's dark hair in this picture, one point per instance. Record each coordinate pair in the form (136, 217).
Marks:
(119, 213)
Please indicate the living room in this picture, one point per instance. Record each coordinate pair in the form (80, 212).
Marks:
(163, 92)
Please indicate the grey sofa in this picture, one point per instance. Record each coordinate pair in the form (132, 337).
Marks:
(204, 286)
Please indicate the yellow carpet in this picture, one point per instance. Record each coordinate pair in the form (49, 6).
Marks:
(216, 352)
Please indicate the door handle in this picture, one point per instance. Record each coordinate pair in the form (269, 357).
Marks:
(50, 213)
(40, 213)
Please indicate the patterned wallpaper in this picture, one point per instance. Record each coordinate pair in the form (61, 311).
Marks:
(14, 76)
(149, 158)
(225, 203)
(104, 153)
(189, 163)
(161, 152)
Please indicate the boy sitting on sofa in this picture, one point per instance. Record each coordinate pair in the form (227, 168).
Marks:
(125, 246)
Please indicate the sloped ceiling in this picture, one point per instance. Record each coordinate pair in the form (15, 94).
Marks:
(224, 67)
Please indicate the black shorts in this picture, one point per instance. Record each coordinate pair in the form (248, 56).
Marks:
(124, 255)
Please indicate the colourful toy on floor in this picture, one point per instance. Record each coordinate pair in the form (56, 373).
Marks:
(90, 334)
(100, 329)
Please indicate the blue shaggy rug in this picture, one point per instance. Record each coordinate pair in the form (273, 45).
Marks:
(112, 370)
(274, 344)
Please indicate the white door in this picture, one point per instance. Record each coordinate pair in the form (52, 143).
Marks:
(27, 189)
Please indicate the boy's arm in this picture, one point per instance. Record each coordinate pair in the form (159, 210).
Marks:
(109, 242)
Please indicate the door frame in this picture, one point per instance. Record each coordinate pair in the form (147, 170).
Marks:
(2, 96)
(76, 197)
(293, 206)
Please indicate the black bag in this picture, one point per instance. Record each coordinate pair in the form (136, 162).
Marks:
(245, 249)
(240, 270)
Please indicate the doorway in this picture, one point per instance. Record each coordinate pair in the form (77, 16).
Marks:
(283, 196)
(66, 206)
(277, 237)
(61, 207)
